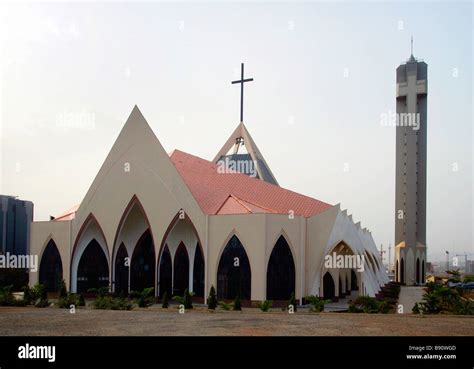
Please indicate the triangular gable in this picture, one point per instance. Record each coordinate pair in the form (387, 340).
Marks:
(263, 170)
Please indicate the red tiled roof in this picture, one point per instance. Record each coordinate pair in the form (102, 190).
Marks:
(236, 193)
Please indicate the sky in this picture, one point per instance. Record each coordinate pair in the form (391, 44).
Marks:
(324, 76)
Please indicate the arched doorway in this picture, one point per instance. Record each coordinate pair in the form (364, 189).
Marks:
(234, 274)
(280, 272)
(122, 265)
(198, 273)
(402, 271)
(180, 270)
(142, 273)
(354, 286)
(329, 290)
(51, 268)
(93, 269)
(417, 271)
(166, 272)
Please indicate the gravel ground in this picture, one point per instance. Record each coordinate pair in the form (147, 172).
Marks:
(201, 322)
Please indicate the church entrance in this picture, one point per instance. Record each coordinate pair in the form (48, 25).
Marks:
(354, 286)
(402, 271)
(417, 271)
(198, 273)
(93, 269)
(234, 274)
(51, 268)
(280, 272)
(166, 271)
(121, 271)
(181, 270)
(143, 263)
(329, 289)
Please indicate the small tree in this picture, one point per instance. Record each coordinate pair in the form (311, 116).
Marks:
(82, 301)
(212, 299)
(237, 304)
(62, 289)
(188, 303)
(165, 303)
(292, 301)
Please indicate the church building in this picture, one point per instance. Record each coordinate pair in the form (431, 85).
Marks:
(176, 221)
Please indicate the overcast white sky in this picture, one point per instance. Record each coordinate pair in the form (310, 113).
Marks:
(324, 74)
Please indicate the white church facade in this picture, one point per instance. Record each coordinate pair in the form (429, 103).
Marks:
(176, 221)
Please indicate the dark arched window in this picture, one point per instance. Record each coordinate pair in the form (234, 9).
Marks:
(280, 272)
(329, 289)
(354, 286)
(93, 270)
(180, 270)
(234, 274)
(198, 272)
(166, 270)
(142, 273)
(121, 270)
(51, 268)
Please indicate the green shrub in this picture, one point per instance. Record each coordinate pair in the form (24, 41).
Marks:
(70, 299)
(468, 278)
(40, 295)
(145, 297)
(62, 289)
(292, 301)
(212, 299)
(265, 305)
(165, 303)
(111, 303)
(415, 309)
(188, 302)
(317, 303)
(237, 305)
(6, 296)
(81, 301)
(225, 306)
(367, 304)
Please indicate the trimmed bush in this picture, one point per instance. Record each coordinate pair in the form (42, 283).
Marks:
(265, 305)
(317, 303)
(225, 306)
(212, 299)
(292, 301)
(165, 303)
(237, 304)
(62, 289)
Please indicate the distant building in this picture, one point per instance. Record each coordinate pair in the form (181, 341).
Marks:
(15, 219)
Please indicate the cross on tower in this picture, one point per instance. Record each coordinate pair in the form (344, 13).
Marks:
(242, 81)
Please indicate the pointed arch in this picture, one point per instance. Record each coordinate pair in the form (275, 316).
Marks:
(354, 286)
(93, 268)
(166, 273)
(193, 247)
(90, 234)
(281, 274)
(234, 274)
(329, 288)
(180, 270)
(122, 269)
(198, 273)
(142, 267)
(51, 267)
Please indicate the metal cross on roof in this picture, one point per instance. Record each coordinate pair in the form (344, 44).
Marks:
(242, 81)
